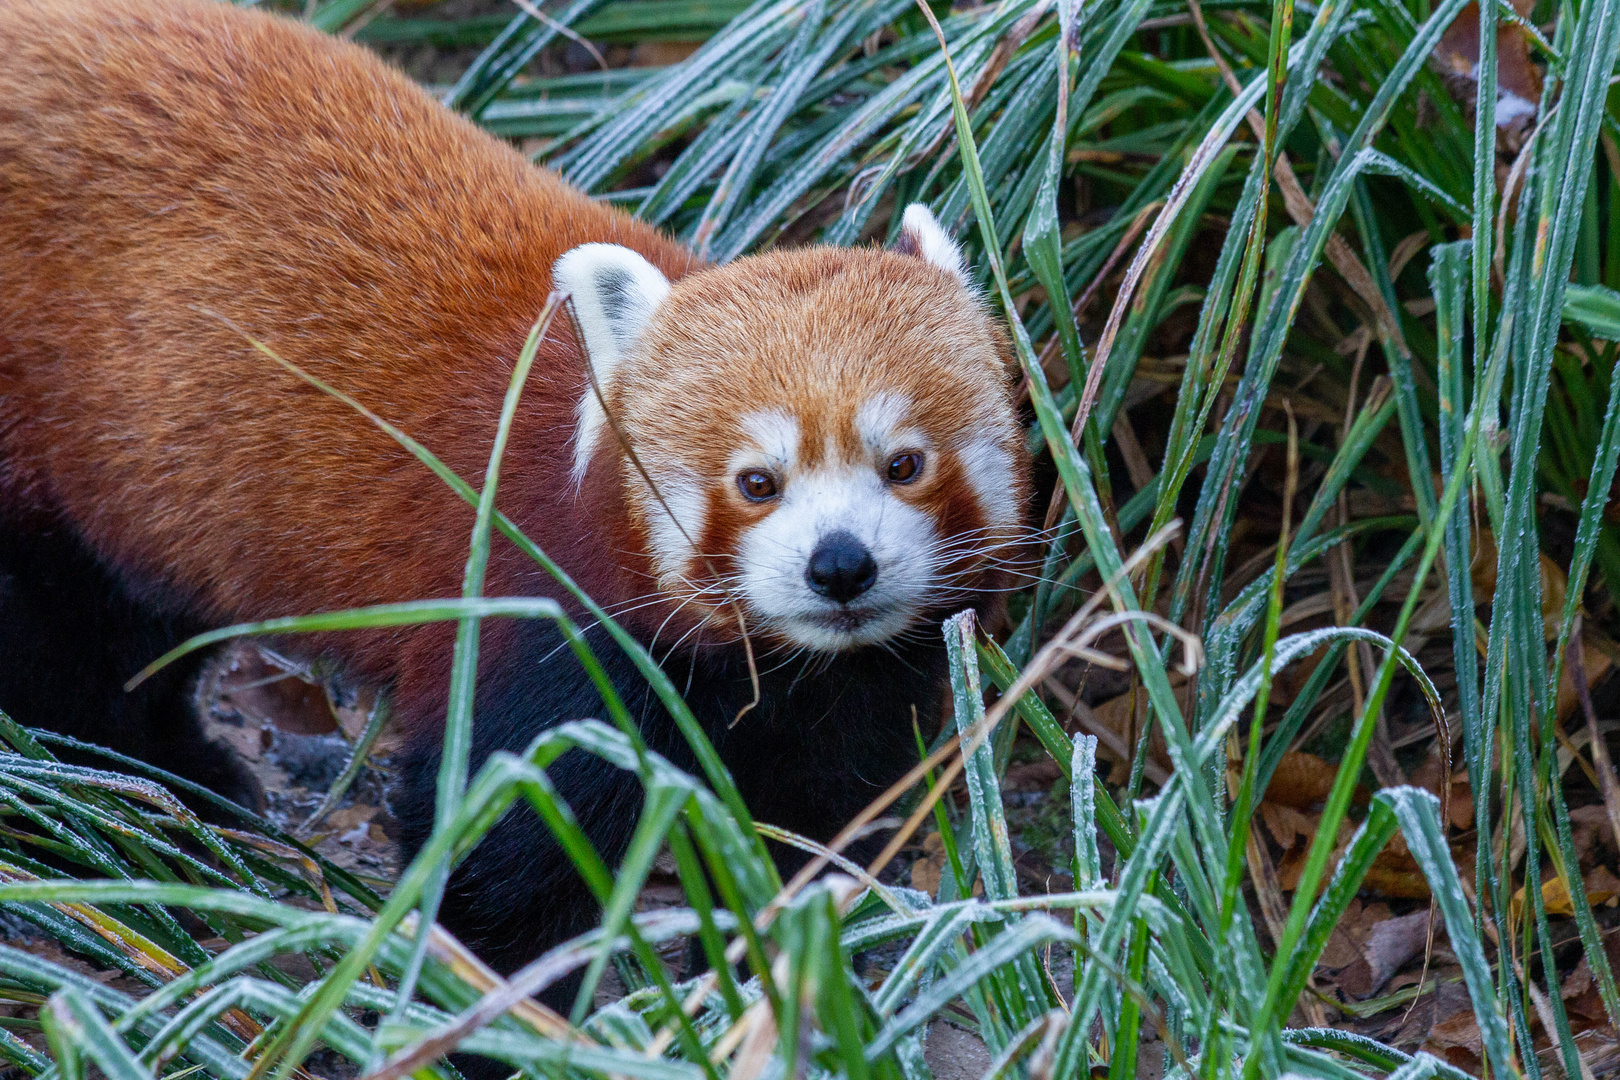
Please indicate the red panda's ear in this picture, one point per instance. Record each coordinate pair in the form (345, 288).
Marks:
(921, 237)
(614, 293)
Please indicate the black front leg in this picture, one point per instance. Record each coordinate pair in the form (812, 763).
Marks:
(517, 893)
(823, 741)
(71, 632)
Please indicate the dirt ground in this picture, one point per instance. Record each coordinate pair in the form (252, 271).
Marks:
(295, 733)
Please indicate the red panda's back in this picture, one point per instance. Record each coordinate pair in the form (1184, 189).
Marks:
(175, 174)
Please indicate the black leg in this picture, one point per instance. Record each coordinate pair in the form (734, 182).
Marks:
(71, 634)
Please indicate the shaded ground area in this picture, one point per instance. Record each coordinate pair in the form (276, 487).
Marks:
(295, 732)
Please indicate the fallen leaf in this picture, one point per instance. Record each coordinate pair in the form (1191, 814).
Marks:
(1456, 1040)
(926, 871)
(1302, 780)
(1287, 683)
(1593, 835)
(1292, 864)
(1580, 993)
(1554, 582)
(1518, 80)
(263, 690)
(1286, 824)
(1340, 950)
(661, 53)
(1398, 882)
(1031, 776)
(1597, 663)
(1389, 945)
(1601, 887)
(1427, 776)
(1394, 873)
(346, 819)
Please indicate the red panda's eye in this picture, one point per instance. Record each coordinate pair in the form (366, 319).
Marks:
(757, 486)
(905, 468)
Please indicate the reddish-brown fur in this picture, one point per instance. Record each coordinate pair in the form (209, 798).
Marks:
(169, 164)
(175, 174)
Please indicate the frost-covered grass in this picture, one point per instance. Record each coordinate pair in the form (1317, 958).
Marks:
(1180, 174)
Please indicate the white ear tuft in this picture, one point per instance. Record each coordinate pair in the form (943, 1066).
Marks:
(615, 293)
(922, 237)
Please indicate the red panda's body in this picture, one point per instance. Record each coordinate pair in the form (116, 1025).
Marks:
(167, 166)
(176, 173)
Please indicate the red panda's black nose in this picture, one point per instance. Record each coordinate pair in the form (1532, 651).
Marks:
(841, 567)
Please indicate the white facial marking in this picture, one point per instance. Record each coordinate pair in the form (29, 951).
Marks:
(880, 421)
(936, 248)
(774, 555)
(990, 472)
(615, 293)
(673, 524)
(775, 442)
(879, 415)
(836, 496)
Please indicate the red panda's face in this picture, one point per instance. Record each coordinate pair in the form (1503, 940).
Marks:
(829, 435)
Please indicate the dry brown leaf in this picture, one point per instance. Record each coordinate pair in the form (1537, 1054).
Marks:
(1389, 945)
(1340, 950)
(1116, 717)
(1285, 824)
(1462, 803)
(1598, 664)
(1372, 913)
(1293, 860)
(1516, 76)
(344, 820)
(1577, 982)
(1601, 887)
(1582, 1000)
(263, 690)
(1427, 776)
(1115, 713)
(1394, 873)
(1554, 583)
(1302, 780)
(661, 53)
(1396, 881)
(1456, 1040)
(926, 871)
(1593, 835)
(1287, 683)
(1031, 776)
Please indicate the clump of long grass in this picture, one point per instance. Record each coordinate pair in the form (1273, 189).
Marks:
(1237, 147)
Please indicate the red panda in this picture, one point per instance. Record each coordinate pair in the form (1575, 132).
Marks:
(831, 433)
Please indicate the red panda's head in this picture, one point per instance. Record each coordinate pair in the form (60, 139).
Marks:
(829, 433)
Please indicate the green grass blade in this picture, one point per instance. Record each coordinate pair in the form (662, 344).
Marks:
(1418, 812)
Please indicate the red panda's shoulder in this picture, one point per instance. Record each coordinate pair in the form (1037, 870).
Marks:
(178, 175)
